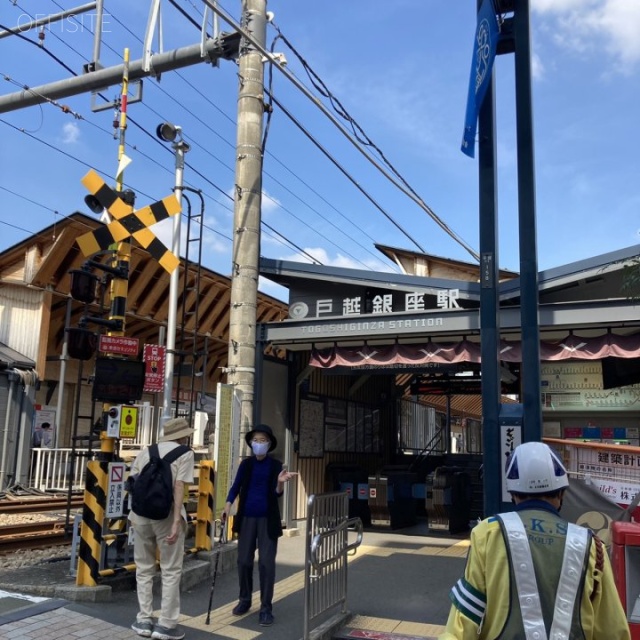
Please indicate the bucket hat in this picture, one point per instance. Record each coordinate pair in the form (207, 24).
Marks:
(175, 429)
(261, 428)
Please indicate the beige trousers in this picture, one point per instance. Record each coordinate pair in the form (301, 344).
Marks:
(148, 538)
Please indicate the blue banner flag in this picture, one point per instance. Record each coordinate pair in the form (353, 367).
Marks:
(484, 52)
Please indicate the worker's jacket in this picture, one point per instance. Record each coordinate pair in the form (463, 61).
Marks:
(486, 602)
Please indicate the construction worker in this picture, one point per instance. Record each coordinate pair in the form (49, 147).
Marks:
(530, 575)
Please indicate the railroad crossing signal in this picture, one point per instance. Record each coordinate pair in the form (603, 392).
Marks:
(128, 223)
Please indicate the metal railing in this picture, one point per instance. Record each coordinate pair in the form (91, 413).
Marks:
(327, 547)
(54, 469)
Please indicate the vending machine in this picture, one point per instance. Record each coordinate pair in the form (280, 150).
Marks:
(625, 558)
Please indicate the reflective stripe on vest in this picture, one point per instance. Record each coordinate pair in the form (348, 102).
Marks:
(576, 545)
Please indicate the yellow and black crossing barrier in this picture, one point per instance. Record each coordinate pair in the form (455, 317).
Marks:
(204, 521)
(95, 501)
(128, 223)
(94, 533)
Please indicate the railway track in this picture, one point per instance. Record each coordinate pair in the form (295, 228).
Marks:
(38, 505)
(32, 535)
(34, 522)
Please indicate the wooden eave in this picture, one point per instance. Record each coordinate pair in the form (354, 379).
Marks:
(44, 260)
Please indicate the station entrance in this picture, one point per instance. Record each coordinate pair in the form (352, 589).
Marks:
(383, 378)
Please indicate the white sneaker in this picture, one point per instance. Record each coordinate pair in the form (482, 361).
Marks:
(144, 629)
(162, 633)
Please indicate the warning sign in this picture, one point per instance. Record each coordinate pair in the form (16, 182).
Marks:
(153, 356)
(115, 490)
(128, 422)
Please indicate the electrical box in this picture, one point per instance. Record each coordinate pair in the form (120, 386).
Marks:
(113, 421)
(625, 560)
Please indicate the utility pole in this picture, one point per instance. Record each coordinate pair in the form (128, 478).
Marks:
(247, 212)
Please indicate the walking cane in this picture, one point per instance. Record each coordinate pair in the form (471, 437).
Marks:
(221, 541)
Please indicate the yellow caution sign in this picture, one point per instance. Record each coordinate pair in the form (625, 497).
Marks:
(128, 422)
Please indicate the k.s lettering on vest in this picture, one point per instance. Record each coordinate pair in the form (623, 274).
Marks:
(152, 489)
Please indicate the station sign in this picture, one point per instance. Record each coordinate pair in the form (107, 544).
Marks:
(119, 344)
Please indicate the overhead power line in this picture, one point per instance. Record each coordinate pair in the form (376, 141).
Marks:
(419, 201)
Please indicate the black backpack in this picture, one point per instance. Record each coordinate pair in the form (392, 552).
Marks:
(152, 489)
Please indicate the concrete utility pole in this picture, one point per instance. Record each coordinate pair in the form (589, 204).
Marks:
(247, 212)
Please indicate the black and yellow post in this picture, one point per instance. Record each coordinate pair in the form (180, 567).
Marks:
(97, 479)
(204, 515)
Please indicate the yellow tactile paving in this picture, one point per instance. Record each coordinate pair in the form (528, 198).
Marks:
(458, 550)
(373, 624)
(419, 629)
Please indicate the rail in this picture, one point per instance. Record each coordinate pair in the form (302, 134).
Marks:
(327, 547)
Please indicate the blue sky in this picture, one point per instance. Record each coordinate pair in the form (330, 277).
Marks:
(401, 70)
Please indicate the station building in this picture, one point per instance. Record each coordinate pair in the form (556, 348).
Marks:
(363, 375)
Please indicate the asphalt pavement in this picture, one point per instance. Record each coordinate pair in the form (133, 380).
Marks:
(398, 585)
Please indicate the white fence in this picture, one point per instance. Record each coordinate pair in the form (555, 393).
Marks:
(53, 469)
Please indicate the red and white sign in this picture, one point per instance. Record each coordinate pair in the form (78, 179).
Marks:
(115, 490)
(153, 356)
(119, 344)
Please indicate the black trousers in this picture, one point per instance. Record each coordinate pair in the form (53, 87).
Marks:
(253, 534)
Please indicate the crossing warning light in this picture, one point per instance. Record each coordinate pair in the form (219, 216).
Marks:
(83, 285)
(81, 343)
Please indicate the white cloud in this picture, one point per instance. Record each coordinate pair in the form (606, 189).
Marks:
(269, 203)
(273, 289)
(70, 133)
(537, 68)
(339, 260)
(596, 26)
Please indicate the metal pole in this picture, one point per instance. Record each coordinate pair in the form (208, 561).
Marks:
(247, 204)
(97, 38)
(489, 302)
(13, 383)
(63, 372)
(532, 425)
(103, 78)
(180, 148)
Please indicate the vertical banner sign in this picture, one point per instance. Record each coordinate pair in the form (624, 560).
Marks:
(510, 438)
(226, 451)
(484, 52)
(115, 490)
(153, 356)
